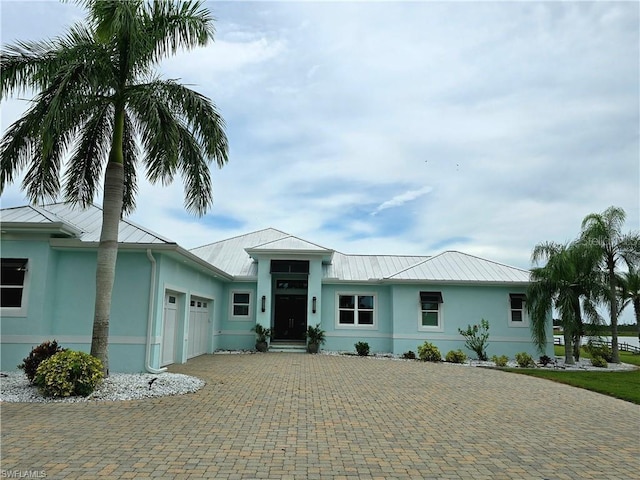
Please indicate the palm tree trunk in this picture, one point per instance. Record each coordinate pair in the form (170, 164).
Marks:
(615, 355)
(108, 248)
(568, 351)
(636, 309)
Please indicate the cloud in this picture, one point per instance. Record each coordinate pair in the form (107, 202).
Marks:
(401, 199)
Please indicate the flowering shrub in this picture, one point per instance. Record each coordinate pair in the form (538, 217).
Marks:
(69, 373)
(38, 355)
(428, 352)
(456, 356)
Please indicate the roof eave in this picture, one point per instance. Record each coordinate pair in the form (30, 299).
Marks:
(44, 227)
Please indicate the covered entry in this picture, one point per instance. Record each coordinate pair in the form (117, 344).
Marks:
(290, 286)
(290, 317)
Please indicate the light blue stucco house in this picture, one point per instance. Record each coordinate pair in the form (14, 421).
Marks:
(172, 304)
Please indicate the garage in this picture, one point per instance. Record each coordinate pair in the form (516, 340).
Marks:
(199, 327)
(169, 329)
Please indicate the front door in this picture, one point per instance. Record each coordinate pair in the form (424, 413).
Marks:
(290, 317)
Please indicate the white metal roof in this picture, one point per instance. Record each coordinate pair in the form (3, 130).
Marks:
(85, 223)
(232, 256)
(452, 266)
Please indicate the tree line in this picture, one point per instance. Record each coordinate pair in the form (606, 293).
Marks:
(601, 267)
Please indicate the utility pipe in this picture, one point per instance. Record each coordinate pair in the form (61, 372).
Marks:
(152, 297)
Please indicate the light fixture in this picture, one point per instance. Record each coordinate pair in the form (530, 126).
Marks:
(264, 303)
(313, 305)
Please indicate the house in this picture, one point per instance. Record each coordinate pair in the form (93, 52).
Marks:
(171, 304)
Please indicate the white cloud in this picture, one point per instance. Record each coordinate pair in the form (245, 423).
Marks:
(401, 199)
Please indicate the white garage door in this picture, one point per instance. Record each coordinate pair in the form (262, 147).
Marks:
(198, 327)
(169, 329)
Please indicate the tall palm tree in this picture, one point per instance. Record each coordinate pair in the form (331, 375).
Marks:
(604, 232)
(567, 283)
(102, 111)
(630, 292)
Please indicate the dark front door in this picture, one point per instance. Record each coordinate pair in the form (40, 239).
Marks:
(290, 317)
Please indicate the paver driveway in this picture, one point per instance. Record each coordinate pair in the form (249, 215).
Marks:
(297, 416)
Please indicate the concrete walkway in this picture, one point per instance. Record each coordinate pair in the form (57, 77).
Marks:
(299, 416)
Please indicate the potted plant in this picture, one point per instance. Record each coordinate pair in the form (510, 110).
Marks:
(315, 338)
(262, 334)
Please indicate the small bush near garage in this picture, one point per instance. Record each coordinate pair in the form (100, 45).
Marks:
(524, 360)
(599, 362)
(39, 354)
(69, 373)
(500, 361)
(409, 355)
(362, 348)
(428, 352)
(456, 356)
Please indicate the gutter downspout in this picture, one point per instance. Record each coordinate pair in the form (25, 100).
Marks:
(152, 297)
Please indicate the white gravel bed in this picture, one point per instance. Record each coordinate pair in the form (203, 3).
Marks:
(14, 387)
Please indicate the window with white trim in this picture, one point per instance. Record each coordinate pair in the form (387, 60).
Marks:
(517, 312)
(354, 309)
(13, 285)
(241, 304)
(430, 310)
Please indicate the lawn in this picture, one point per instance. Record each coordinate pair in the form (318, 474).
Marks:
(623, 385)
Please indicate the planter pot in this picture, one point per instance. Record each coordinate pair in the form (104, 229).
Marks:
(313, 348)
(262, 346)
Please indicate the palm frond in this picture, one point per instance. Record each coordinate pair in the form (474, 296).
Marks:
(87, 160)
(129, 157)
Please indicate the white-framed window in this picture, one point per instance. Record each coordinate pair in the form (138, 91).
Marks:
(430, 311)
(241, 304)
(356, 309)
(517, 310)
(14, 281)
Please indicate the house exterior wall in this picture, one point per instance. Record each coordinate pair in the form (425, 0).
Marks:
(234, 333)
(462, 306)
(19, 333)
(343, 337)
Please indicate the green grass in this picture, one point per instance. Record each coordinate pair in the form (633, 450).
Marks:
(622, 385)
(625, 357)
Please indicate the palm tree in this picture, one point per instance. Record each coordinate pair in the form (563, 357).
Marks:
(604, 232)
(101, 110)
(566, 283)
(630, 292)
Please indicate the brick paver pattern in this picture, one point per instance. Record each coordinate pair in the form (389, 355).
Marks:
(300, 416)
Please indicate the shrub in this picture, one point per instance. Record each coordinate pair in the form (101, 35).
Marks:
(362, 348)
(500, 361)
(428, 352)
(69, 373)
(524, 360)
(409, 355)
(38, 355)
(476, 338)
(598, 361)
(599, 350)
(545, 360)
(456, 356)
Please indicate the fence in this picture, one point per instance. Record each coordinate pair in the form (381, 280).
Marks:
(622, 346)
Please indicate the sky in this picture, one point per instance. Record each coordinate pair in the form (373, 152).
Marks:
(401, 127)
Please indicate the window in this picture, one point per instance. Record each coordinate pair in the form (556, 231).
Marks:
(430, 314)
(241, 304)
(517, 316)
(289, 266)
(13, 281)
(356, 309)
